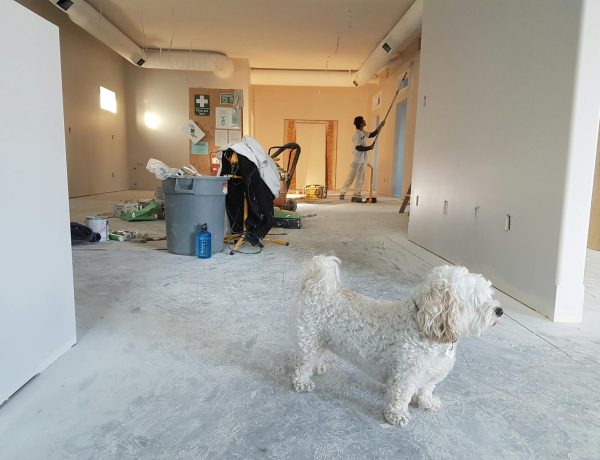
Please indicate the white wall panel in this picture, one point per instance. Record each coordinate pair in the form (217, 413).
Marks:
(37, 316)
(507, 119)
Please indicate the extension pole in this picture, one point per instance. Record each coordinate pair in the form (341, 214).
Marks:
(391, 105)
(370, 199)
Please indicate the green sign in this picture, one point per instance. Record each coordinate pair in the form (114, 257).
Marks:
(227, 98)
(202, 105)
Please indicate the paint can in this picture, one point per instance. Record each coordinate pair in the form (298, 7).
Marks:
(98, 224)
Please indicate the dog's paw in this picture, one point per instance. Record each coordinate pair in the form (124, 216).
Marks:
(304, 385)
(396, 417)
(432, 403)
(320, 368)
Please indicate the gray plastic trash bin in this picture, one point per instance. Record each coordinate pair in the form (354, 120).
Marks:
(190, 202)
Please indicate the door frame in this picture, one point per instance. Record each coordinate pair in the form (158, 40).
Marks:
(399, 147)
(331, 133)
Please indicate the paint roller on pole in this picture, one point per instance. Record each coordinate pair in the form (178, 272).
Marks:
(390, 107)
(371, 198)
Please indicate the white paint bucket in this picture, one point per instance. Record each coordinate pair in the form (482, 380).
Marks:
(98, 224)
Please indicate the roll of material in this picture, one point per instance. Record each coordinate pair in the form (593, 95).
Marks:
(98, 224)
(82, 234)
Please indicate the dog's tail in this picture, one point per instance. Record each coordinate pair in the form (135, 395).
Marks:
(320, 281)
(321, 275)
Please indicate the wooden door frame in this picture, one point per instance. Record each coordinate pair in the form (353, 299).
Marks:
(331, 131)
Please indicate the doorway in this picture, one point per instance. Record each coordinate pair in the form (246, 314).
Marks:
(399, 142)
(330, 147)
(311, 136)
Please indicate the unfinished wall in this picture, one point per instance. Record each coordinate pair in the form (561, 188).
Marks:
(509, 126)
(95, 139)
(37, 314)
(165, 93)
(273, 104)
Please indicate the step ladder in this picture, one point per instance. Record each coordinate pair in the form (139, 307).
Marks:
(405, 201)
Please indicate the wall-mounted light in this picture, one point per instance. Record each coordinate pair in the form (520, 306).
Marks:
(151, 120)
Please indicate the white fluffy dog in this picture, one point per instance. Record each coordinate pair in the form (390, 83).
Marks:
(407, 344)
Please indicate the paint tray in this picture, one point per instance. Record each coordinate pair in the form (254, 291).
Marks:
(287, 219)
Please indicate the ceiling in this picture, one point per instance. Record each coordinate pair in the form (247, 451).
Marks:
(271, 34)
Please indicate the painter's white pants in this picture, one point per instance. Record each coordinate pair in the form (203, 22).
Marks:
(357, 170)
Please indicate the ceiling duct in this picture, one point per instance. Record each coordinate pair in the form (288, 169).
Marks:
(406, 27)
(208, 61)
(284, 77)
(90, 20)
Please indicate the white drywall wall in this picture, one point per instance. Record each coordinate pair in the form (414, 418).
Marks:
(509, 126)
(37, 316)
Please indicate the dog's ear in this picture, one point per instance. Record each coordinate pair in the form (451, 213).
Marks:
(439, 313)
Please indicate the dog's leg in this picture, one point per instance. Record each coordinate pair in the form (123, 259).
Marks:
(306, 358)
(425, 399)
(398, 397)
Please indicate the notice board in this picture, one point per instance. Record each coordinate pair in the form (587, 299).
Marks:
(214, 112)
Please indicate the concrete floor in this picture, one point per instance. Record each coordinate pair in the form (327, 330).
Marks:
(183, 358)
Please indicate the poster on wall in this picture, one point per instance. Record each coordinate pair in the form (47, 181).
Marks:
(193, 131)
(227, 98)
(202, 105)
(221, 137)
(223, 117)
(236, 119)
(199, 148)
(235, 136)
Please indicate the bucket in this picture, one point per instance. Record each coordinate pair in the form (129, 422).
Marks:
(190, 202)
(98, 224)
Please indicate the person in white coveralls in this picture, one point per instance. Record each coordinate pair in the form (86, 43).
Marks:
(360, 152)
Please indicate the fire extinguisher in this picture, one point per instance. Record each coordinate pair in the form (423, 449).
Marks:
(215, 163)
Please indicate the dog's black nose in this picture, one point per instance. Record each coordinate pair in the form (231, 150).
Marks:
(499, 312)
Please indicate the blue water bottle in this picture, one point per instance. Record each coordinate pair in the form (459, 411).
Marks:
(203, 242)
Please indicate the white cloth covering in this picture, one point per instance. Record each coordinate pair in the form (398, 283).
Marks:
(267, 168)
(360, 138)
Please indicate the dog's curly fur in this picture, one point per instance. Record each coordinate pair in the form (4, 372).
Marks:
(407, 344)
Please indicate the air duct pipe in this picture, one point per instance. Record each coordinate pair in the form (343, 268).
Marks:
(406, 27)
(208, 61)
(90, 20)
(299, 77)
